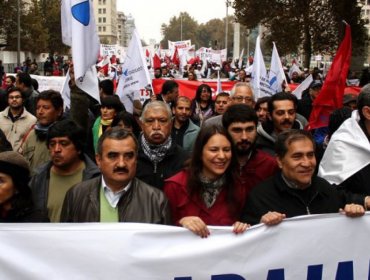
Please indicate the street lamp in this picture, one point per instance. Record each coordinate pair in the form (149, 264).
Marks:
(18, 33)
(181, 26)
(228, 4)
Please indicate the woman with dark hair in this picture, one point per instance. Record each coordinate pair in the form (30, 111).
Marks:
(16, 204)
(207, 192)
(202, 106)
(126, 121)
(110, 107)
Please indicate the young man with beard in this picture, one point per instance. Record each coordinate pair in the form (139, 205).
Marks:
(67, 167)
(184, 131)
(282, 108)
(241, 121)
(15, 120)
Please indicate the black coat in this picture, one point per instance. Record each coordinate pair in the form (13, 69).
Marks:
(274, 195)
(172, 163)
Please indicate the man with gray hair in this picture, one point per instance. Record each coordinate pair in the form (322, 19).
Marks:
(346, 161)
(159, 157)
(241, 93)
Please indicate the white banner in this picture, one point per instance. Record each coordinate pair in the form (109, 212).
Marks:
(49, 82)
(214, 56)
(110, 50)
(178, 44)
(135, 74)
(316, 247)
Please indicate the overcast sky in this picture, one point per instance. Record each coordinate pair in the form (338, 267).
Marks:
(150, 14)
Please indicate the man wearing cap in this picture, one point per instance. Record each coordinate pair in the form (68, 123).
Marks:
(15, 197)
(308, 96)
(346, 161)
(350, 101)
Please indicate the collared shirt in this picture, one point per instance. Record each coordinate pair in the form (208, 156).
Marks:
(113, 197)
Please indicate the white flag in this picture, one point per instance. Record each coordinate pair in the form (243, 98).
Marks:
(260, 83)
(219, 86)
(294, 68)
(90, 85)
(276, 73)
(302, 86)
(240, 62)
(79, 32)
(135, 74)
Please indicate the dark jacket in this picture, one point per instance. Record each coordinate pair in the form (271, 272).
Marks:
(39, 183)
(305, 104)
(25, 215)
(266, 139)
(258, 168)
(140, 204)
(30, 100)
(172, 163)
(274, 195)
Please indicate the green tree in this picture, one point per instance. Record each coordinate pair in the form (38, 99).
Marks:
(213, 31)
(310, 25)
(8, 19)
(183, 25)
(35, 35)
(52, 23)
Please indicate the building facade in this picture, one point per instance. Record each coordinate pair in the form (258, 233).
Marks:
(121, 21)
(105, 12)
(128, 30)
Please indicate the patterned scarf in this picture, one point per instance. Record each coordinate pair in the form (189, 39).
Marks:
(155, 153)
(211, 189)
(41, 131)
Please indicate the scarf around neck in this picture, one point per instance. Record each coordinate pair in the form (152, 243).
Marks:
(155, 153)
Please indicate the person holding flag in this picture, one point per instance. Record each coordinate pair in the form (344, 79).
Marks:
(79, 32)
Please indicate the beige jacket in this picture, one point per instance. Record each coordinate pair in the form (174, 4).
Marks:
(14, 132)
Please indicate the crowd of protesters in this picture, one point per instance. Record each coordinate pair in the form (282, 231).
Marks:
(228, 160)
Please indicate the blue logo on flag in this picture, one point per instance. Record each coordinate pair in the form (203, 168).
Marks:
(125, 72)
(81, 12)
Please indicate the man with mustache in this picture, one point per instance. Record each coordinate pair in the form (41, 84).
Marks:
(117, 195)
(282, 109)
(67, 167)
(254, 165)
(296, 190)
(159, 156)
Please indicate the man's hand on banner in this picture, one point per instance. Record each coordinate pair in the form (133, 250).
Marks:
(272, 218)
(353, 210)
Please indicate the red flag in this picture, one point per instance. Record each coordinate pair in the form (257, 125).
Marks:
(331, 95)
(176, 58)
(147, 53)
(156, 61)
